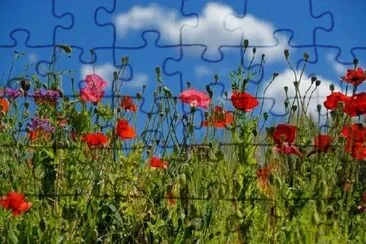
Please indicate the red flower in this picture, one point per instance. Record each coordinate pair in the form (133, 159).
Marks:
(332, 100)
(15, 202)
(124, 130)
(284, 133)
(322, 143)
(195, 98)
(156, 162)
(219, 118)
(4, 103)
(356, 136)
(283, 136)
(127, 104)
(94, 89)
(354, 132)
(95, 139)
(355, 77)
(356, 105)
(244, 101)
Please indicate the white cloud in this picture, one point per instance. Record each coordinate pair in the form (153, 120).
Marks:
(201, 71)
(105, 71)
(339, 68)
(286, 78)
(138, 80)
(216, 25)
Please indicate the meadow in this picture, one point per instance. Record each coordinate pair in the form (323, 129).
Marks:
(74, 169)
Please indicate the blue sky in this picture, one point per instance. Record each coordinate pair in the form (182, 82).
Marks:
(191, 40)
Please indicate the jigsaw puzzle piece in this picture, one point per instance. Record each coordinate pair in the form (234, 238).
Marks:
(132, 19)
(345, 31)
(85, 32)
(36, 18)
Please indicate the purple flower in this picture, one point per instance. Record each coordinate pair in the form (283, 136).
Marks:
(40, 123)
(46, 96)
(11, 93)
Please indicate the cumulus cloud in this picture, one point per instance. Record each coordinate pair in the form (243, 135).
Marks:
(276, 90)
(138, 80)
(216, 25)
(337, 67)
(106, 72)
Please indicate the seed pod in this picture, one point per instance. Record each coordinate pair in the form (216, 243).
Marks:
(25, 85)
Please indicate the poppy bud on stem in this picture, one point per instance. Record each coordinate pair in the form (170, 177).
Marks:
(287, 53)
(246, 43)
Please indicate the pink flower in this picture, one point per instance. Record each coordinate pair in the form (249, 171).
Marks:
(94, 89)
(195, 98)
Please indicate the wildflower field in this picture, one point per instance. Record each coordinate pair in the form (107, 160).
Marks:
(75, 169)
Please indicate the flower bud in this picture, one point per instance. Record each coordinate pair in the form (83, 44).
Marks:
(294, 108)
(188, 84)
(138, 96)
(317, 82)
(331, 87)
(296, 84)
(355, 61)
(25, 85)
(286, 53)
(263, 56)
(157, 71)
(306, 56)
(275, 74)
(313, 79)
(318, 108)
(286, 89)
(254, 50)
(124, 60)
(246, 43)
(286, 104)
(216, 78)
(265, 116)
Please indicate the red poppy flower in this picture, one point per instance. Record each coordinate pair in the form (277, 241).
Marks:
(124, 130)
(219, 118)
(127, 104)
(355, 77)
(284, 133)
(355, 105)
(354, 132)
(195, 98)
(156, 162)
(15, 201)
(356, 149)
(356, 136)
(332, 100)
(244, 101)
(322, 143)
(4, 103)
(283, 136)
(95, 139)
